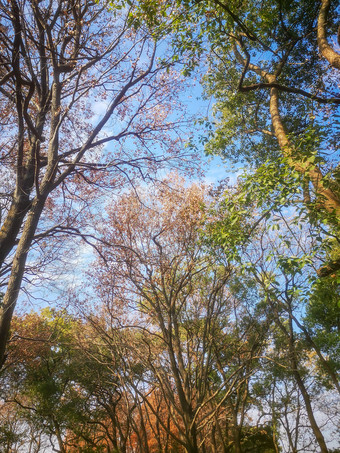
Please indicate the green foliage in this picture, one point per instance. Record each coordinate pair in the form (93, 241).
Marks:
(241, 118)
(258, 439)
(8, 436)
(323, 318)
(258, 198)
(50, 379)
(57, 382)
(280, 39)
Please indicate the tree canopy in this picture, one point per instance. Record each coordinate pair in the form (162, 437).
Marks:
(208, 318)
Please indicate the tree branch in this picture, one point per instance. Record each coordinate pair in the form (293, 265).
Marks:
(325, 49)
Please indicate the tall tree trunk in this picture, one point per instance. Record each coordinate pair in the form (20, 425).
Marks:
(17, 273)
(288, 332)
(316, 430)
(236, 433)
(191, 434)
(305, 395)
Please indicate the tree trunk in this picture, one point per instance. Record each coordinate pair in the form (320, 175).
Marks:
(17, 272)
(236, 433)
(13, 222)
(325, 49)
(329, 199)
(294, 362)
(316, 430)
(191, 438)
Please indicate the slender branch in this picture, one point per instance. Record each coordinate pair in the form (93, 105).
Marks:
(286, 89)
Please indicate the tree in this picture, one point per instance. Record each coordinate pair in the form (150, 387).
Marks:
(61, 380)
(322, 318)
(278, 250)
(274, 99)
(156, 277)
(275, 108)
(41, 374)
(75, 77)
(285, 291)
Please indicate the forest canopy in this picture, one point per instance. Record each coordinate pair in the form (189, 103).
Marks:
(208, 317)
